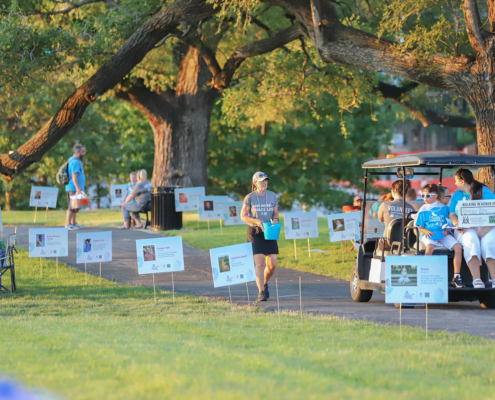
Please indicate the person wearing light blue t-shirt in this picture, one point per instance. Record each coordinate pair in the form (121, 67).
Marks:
(478, 243)
(432, 217)
(77, 180)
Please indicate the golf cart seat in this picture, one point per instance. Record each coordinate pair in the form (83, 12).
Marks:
(414, 241)
(391, 243)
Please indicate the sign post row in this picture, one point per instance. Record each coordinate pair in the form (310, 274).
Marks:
(94, 247)
(300, 225)
(160, 255)
(43, 196)
(48, 242)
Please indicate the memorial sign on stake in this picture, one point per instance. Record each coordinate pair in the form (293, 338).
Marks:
(232, 265)
(186, 199)
(94, 247)
(42, 196)
(211, 207)
(119, 194)
(301, 225)
(232, 213)
(48, 242)
(341, 226)
(474, 213)
(160, 255)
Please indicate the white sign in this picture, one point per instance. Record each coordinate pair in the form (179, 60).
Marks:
(43, 196)
(232, 213)
(301, 225)
(94, 247)
(159, 255)
(211, 207)
(474, 213)
(341, 226)
(186, 199)
(48, 242)
(119, 194)
(416, 279)
(232, 264)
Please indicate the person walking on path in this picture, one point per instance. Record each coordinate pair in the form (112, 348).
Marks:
(260, 206)
(137, 201)
(77, 179)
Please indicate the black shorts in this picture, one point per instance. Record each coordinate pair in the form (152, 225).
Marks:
(260, 245)
(71, 193)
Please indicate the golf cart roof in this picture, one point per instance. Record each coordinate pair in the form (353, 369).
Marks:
(439, 159)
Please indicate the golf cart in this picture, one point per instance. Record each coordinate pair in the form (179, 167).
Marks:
(402, 237)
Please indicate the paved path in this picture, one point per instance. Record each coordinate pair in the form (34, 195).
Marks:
(320, 294)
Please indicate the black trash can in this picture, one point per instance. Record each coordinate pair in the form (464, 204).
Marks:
(163, 214)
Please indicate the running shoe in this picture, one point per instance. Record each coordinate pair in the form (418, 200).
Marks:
(267, 294)
(457, 282)
(262, 296)
(70, 227)
(78, 226)
(478, 284)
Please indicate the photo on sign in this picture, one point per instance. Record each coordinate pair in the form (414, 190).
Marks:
(338, 225)
(149, 253)
(295, 223)
(404, 275)
(87, 245)
(224, 263)
(40, 240)
(208, 205)
(233, 211)
(118, 193)
(182, 198)
(37, 196)
(491, 219)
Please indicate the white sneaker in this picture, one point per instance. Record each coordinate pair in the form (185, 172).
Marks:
(478, 284)
(77, 226)
(70, 227)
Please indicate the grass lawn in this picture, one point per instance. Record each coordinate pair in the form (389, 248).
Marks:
(335, 262)
(113, 342)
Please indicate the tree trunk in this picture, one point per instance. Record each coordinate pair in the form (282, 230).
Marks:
(180, 121)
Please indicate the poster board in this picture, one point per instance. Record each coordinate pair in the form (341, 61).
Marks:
(119, 194)
(301, 225)
(211, 207)
(474, 213)
(48, 242)
(94, 247)
(416, 279)
(43, 196)
(341, 226)
(186, 199)
(232, 265)
(159, 255)
(232, 213)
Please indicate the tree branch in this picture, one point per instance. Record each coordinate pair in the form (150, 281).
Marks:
(181, 12)
(425, 115)
(491, 14)
(474, 27)
(69, 9)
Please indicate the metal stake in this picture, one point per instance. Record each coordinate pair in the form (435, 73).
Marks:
(400, 319)
(295, 252)
(278, 302)
(426, 321)
(247, 289)
(173, 288)
(35, 213)
(46, 213)
(100, 274)
(230, 295)
(41, 268)
(221, 231)
(86, 273)
(300, 296)
(309, 249)
(154, 289)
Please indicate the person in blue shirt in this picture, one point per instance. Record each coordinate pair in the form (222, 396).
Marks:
(132, 184)
(478, 242)
(431, 218)
(76, 183)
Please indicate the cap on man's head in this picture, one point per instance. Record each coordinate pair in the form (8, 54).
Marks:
(357, 198)
(260, 177)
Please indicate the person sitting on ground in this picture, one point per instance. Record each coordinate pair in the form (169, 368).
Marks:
(478, 242)
(412, 198)
(137, 201)
(431, 218)
(444, 195)
(390, 210)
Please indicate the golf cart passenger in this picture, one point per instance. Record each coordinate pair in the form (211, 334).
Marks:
(476, 242)
(390, 210)
(444, 195)
(431, 218)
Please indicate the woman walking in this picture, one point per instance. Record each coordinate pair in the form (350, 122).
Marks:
(260, 206)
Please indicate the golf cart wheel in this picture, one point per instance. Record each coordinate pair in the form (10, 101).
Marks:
(487, 302)
(357, 294)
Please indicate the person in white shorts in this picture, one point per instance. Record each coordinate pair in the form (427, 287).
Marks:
(431, 218)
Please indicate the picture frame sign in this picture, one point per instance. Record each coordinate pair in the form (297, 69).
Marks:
(416, 279)
(232, 265)
(48, 242)
(119, 193)
(301, 225)
(186, 199)
(474, 213)
(43, 196)
(94, 247)
(232, 213)
(211, 207)
(160, 255)
(341, 226)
